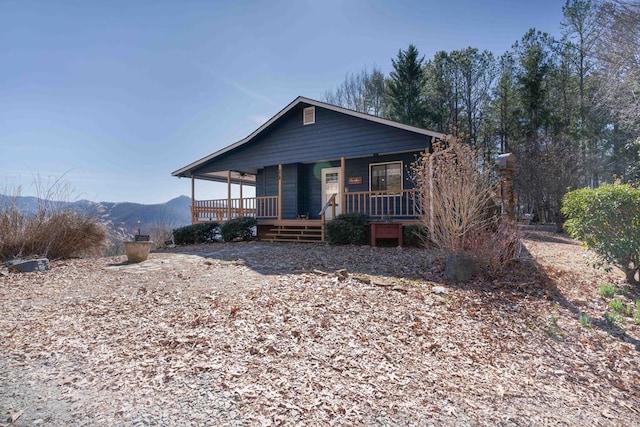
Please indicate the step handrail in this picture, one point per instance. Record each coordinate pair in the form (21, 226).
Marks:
(330, 202)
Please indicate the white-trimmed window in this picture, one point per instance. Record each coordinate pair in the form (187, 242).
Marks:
(385, 176)
(309, 115)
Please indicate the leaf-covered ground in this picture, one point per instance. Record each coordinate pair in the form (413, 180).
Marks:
(275, 334)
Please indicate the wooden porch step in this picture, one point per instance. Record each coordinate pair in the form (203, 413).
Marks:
(296, 227)
(291, 240)
(294, 233)
(289, 231)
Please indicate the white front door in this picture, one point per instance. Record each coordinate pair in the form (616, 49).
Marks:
(331, 180)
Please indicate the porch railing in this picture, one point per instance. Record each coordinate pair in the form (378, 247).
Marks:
(382, 204)
(331, 203)
(221, 210)
(376, 204)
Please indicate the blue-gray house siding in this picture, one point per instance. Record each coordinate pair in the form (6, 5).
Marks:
(302, 187)
(333, 135)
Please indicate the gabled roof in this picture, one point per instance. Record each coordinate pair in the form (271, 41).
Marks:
(186, 171)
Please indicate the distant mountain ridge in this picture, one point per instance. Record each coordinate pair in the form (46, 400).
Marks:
(128, 216)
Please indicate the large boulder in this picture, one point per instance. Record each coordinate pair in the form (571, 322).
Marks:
(459, 268)
(28, 265)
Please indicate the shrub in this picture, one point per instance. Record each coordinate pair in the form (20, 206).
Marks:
(616, 305)
(347, 229)
(607, 291)
(415, 235)
(238, 228)
(612, 318)
(160, 235)
(454, 194)
(607, 220)
(56, 235)
(585, 320)
(494, 246)
(205, 232)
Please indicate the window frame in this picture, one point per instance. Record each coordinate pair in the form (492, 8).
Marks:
(304, 115)
(397, 192)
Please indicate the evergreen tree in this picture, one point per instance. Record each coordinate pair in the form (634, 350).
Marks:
(503, 108)
(439, 93)
(406, 88)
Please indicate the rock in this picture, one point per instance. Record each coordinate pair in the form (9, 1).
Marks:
(28, 265)
(342, 274)
(459, 267)
(440, 290)
(363, 279)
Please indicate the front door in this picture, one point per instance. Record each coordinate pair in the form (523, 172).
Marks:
(331, 180)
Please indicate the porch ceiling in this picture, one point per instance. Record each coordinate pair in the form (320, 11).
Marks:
(222, 176)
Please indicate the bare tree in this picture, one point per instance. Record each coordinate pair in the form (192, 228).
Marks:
(618, 53)
(476, 73)
(364, 92)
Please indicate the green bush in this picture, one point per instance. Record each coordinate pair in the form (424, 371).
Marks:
(414, 235)
(205, 232)
(238, 228)
(607, 220)
(347, 229)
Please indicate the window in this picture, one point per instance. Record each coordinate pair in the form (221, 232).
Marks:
(332, 178)
(386, 176)
(309, 116)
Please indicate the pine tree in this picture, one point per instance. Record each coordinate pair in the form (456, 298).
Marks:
(406, 88)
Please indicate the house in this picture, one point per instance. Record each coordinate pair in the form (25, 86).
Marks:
(309, 163)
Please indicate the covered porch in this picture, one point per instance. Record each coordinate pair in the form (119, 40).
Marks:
(337, 198)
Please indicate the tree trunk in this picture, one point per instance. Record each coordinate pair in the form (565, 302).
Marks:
(631, 276)
(559, 220)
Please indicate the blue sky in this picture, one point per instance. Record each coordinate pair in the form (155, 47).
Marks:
(113, 96)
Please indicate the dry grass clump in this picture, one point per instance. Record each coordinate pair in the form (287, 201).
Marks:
(455, 198)
(50, 233)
